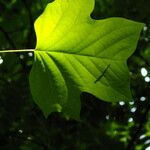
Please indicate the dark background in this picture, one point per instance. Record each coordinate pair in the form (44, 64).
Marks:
(103, 126)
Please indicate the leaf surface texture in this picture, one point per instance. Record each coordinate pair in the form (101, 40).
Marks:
(75, 53)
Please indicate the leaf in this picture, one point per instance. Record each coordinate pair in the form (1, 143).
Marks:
(75, 53)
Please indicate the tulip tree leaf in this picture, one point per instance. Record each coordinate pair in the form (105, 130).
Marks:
(75, 53)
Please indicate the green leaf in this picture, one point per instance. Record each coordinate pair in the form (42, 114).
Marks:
(75, 53)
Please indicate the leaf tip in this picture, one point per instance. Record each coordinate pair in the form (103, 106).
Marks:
(54, 108)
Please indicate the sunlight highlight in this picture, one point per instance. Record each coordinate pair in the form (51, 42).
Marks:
(130, 120)
(121, 103)
(142, 98)
(147, 79)
(147, 142)
(133, 109)
(144, 72)
(148, 148)
(131, 103)
(142, 137)
(1, 60)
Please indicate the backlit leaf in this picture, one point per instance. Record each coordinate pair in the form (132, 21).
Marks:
(75, 53)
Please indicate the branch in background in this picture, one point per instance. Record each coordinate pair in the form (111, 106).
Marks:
(29, 36)
(18, 29)
(12, 45)
(140, 127)
(23, 137)
(10, 41)
(146, 62)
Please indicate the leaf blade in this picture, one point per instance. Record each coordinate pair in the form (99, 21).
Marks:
(76, 50)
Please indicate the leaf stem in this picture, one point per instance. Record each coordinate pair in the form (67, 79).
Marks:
(17, 51)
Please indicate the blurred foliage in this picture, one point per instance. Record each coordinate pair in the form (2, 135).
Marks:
(117, 126)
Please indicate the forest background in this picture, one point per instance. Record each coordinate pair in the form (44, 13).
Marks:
(115, 126)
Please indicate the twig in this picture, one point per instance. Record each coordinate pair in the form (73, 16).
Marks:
(17, 51)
